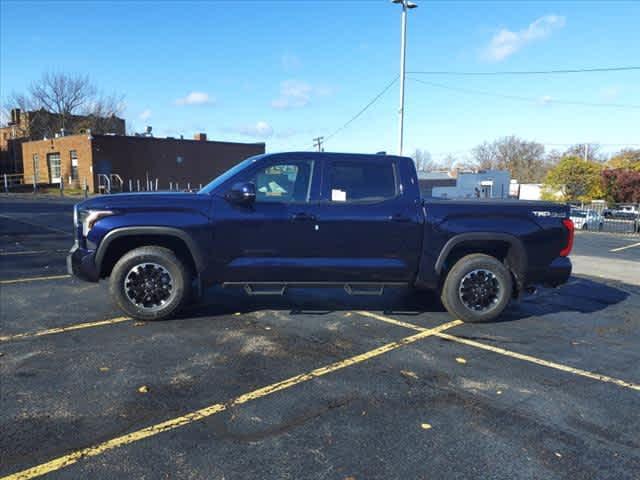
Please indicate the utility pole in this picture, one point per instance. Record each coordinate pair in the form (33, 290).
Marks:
(317, 142)
(406, 5)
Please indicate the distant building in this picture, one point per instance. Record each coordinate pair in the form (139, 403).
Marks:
(481, 184)
(430, 180)
(113, 161)
(41, 124)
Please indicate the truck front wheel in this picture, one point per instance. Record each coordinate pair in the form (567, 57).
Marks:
(477, 288)
(150, 283)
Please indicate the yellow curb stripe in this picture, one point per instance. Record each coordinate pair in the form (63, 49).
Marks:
(625, 247)
(33, 279)
(52, 331)
(74, 457)
(509, 353)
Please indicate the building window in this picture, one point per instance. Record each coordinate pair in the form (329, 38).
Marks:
(74, 164)
(36, 167)
(55, 174)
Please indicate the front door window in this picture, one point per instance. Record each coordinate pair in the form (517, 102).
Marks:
(284, 183)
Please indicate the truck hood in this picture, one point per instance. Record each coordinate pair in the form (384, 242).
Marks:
(148, 201)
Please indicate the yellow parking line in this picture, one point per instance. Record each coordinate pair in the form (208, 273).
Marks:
(509, 353)
(52, 331)
(46, 227)
(32, 252)
(197, 415)
(625, 247)
(24, 252)
(32, 279)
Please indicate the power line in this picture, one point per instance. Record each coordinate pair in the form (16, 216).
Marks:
(521, 98)
(530, 72)
(374, 100)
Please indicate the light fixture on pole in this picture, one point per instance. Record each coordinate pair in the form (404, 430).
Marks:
(406, 5)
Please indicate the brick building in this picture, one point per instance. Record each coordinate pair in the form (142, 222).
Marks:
(39, 124)
(75, 159)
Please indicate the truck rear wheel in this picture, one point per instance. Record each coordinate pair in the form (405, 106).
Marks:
(477, 288)
(150, 283)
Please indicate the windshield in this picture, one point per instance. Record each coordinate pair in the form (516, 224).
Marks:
(216, 182)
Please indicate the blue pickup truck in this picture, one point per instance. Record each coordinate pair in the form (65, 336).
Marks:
(281, 220)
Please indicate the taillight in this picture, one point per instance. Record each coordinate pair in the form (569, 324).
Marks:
(568, 224)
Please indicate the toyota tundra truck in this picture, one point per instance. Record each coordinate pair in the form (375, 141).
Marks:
(315, 219)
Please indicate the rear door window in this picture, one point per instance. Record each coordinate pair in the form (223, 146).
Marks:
(351, 181)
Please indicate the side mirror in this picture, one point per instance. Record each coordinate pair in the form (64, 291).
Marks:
(242, 193)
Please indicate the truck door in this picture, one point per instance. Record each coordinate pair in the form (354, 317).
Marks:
(368, 224)
(262, 242)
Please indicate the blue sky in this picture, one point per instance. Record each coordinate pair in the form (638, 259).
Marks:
(285, 72)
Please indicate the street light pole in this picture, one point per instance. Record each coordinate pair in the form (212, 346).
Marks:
(406, 5)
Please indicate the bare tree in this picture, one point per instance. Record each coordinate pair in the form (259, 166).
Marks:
(422, 159)
(588, 151)
(524, 160)
(59, 101)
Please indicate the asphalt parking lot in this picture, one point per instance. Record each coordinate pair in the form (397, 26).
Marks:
(315, 385)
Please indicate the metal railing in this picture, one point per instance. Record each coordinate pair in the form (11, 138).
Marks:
(612, 218)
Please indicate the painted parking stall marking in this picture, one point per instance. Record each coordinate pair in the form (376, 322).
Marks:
(619, 249)
(174, 423)
(509, 353)
(38, 225)
(70, 328)
(33, 279)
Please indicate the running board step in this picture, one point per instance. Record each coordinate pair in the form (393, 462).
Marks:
(279, 288)
(257, 289)
(376, 290)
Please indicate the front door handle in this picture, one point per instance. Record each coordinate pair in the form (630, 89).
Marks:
(303, 217)
(398, 217)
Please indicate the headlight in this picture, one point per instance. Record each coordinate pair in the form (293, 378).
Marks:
(88, 219)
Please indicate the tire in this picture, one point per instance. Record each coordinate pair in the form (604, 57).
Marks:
(150, 283)
(490, 274)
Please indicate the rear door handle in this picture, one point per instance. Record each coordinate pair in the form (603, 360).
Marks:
(303, 217)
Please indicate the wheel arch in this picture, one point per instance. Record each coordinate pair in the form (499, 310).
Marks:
(121, 240)
(504, 246)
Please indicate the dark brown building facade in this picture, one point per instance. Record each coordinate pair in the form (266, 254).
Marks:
(76, 159)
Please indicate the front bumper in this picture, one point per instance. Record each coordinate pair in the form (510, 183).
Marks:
(81, 263)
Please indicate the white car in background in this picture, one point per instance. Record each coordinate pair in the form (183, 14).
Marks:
(586, 220)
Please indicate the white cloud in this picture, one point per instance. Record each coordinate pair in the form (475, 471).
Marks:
(145, 115)
(546, 99)
(261, 129)
(505, 42)
(195, 98)
(297, 94)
